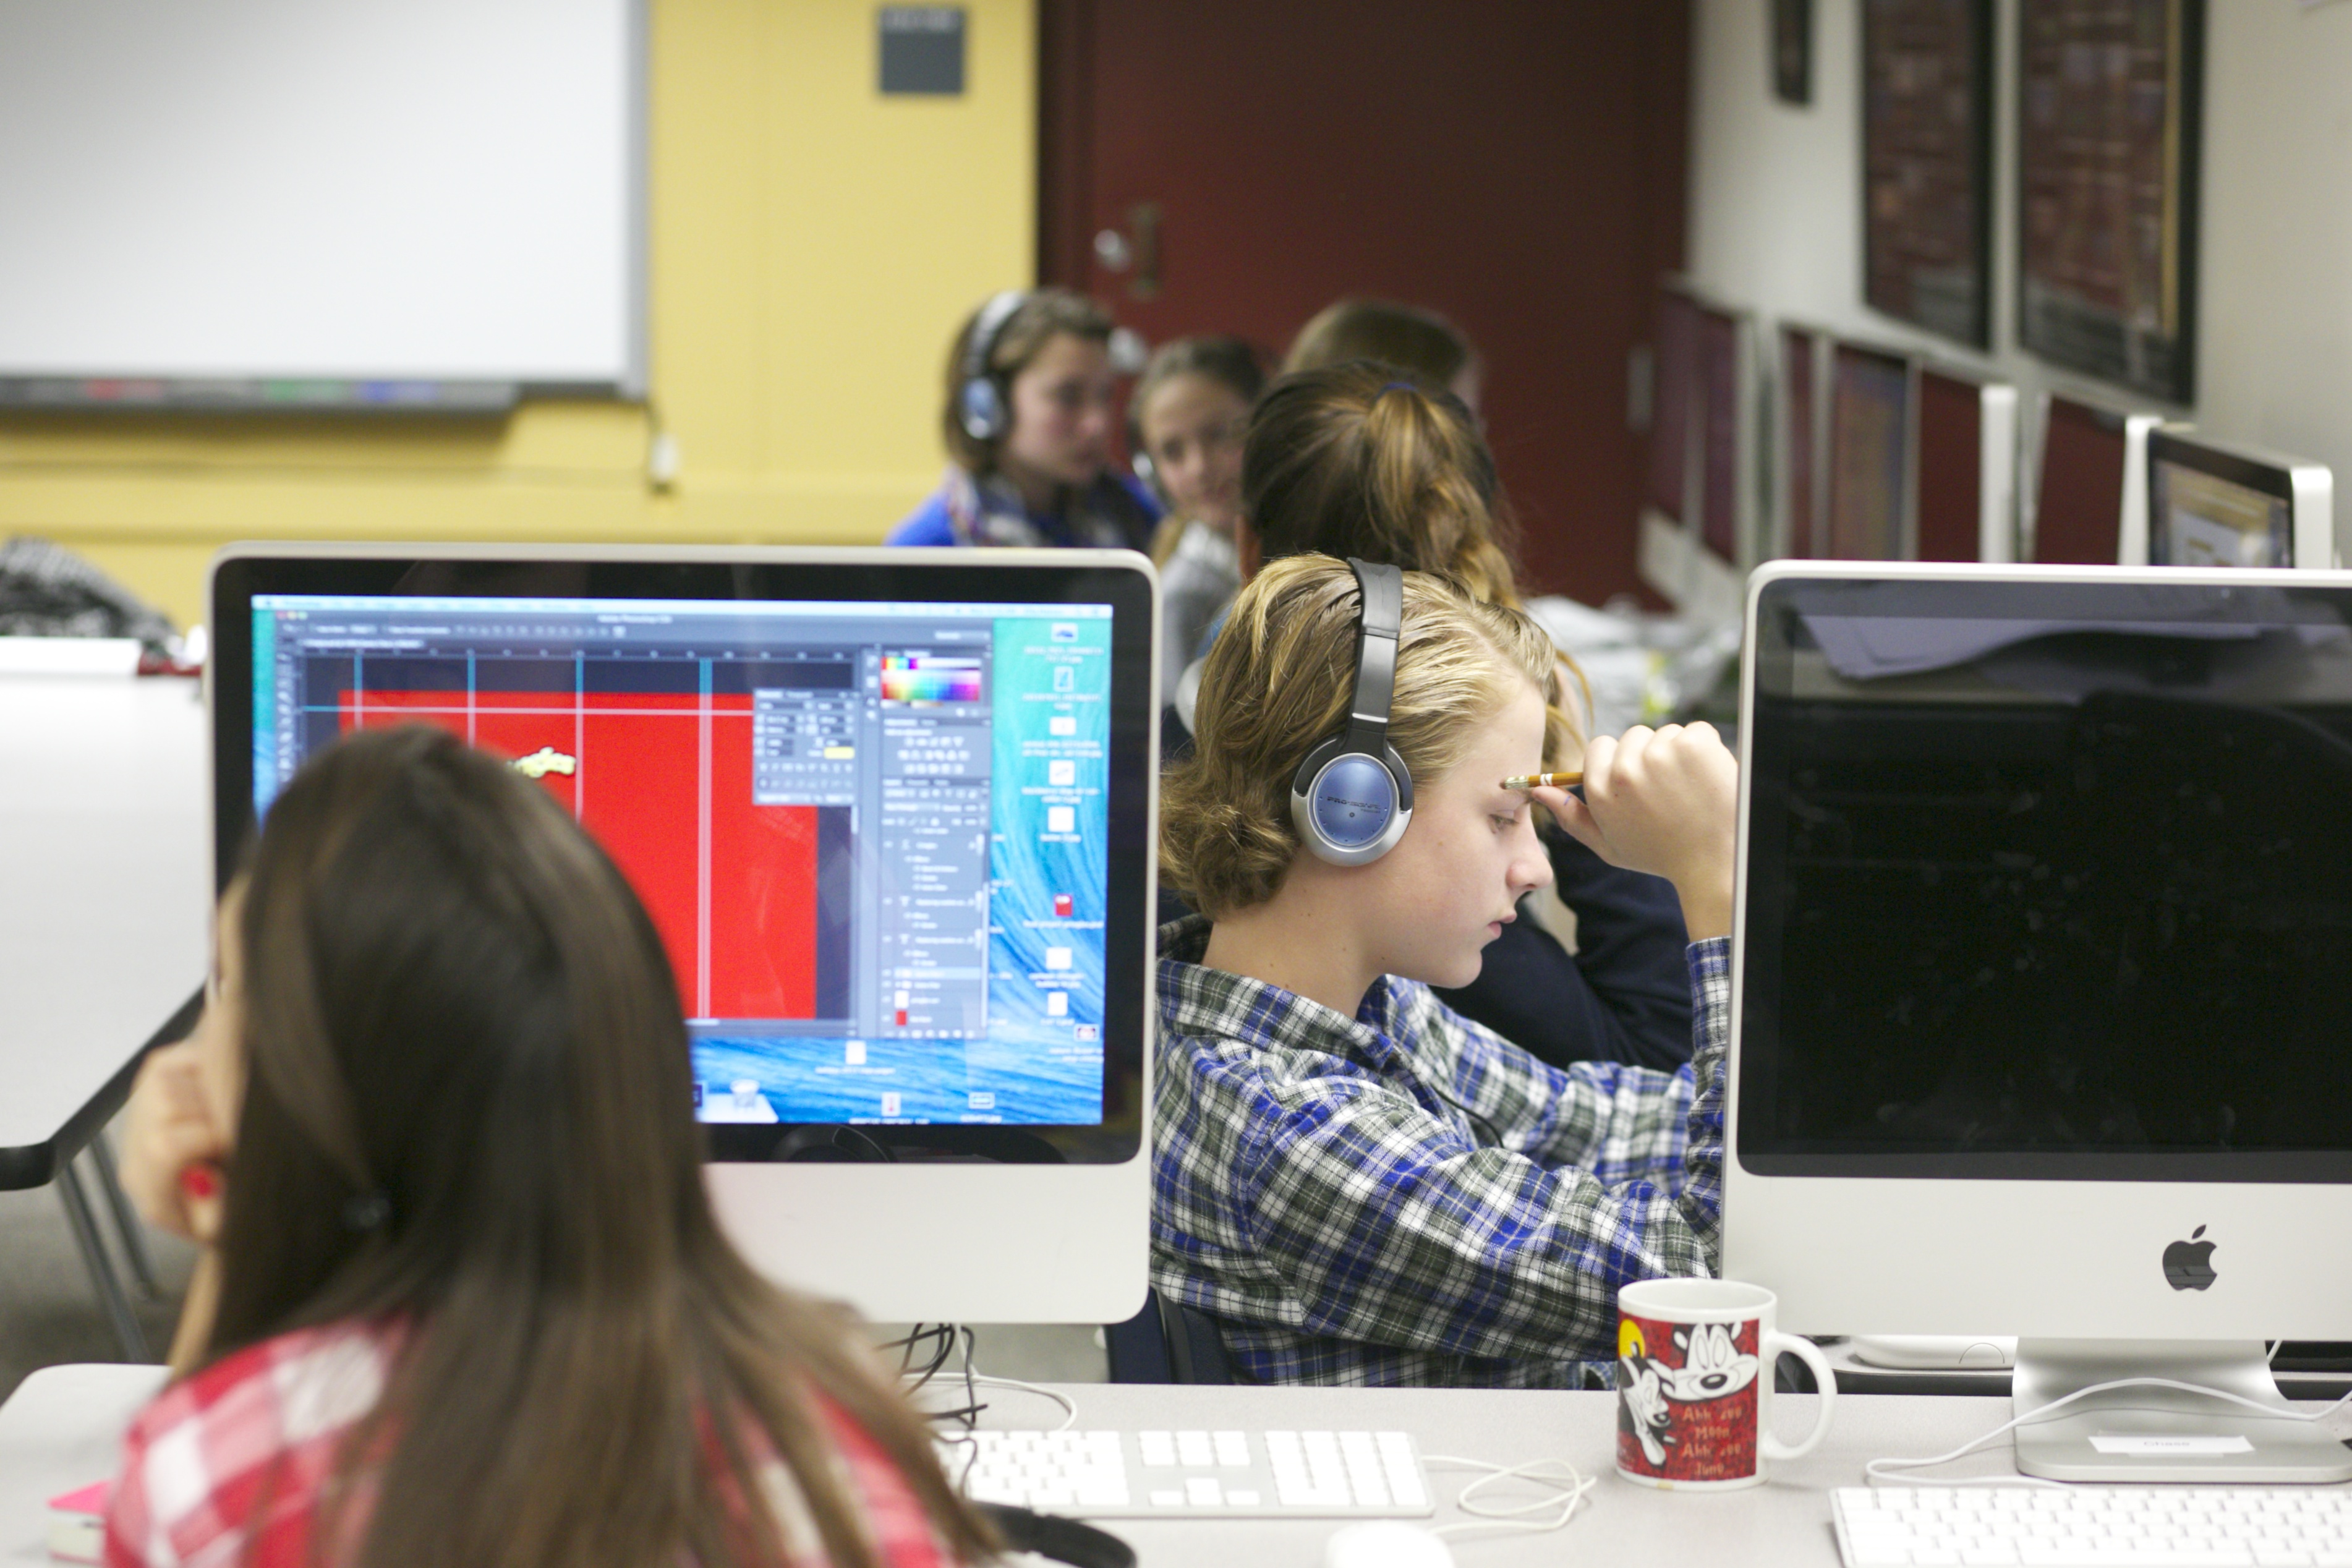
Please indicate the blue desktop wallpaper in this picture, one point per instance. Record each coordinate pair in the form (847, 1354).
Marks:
(1050, 705)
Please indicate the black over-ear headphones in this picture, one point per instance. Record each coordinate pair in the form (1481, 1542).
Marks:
(979, 401)
(1351, 798)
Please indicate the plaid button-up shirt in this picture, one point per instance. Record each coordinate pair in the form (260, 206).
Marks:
(230, 1467)
(1404, 1197)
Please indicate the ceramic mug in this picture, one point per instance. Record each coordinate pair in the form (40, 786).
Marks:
(1695, 1361)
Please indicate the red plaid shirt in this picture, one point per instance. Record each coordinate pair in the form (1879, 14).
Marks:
(229, 1466)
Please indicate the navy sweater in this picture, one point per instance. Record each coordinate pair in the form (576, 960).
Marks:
(1622, 997)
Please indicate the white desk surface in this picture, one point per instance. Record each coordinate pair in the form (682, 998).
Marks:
(105, 882)
(61, 1428)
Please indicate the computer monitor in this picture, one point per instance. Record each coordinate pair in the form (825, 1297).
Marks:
(2090, 503)
(1664, 544)
(1870, 454)
(2211, 503)
(2042, 981)
(892, 813)
(1673, 375)
(1801, 444)
(1726, 436)
(1698, 527)
(1966, 491)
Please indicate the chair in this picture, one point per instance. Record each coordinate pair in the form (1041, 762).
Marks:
(1167, 1343)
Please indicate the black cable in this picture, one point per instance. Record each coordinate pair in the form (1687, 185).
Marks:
(1063, 1540)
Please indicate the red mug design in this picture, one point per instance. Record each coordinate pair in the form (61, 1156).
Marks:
(1694, 1384)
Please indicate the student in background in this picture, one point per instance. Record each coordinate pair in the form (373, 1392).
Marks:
(1358, 1184)
(1186, 421)
(463, 1298)
(1028, 422)
(1429, 350)
(1349, 461)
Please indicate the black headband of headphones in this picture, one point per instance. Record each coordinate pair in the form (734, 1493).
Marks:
(1382, 589)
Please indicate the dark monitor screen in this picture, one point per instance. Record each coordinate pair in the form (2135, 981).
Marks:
(1718, 385)
(1870, 424)
(2078, 512)
(1951, 468)
(2049, 879)
(1799, 422)
(2208, 508)
(1671, 412)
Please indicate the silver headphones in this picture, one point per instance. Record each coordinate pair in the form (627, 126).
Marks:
(979, 401)
(1351, 799)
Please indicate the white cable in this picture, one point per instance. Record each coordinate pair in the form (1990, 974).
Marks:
(1875, 1470)
(1070, 1418)
(1569, 1492)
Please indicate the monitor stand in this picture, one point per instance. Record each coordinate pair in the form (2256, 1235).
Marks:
(2163, 1434)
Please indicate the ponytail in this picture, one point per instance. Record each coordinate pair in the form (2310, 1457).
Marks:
(1352, 461)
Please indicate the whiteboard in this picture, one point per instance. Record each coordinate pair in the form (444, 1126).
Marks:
(401, 193)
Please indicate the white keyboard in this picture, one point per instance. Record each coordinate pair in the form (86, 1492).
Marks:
(1224, 1474)
(2088, 1526)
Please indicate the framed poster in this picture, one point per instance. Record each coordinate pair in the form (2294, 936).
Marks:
(1792, 50)
(1927, 164)
(2109, 97)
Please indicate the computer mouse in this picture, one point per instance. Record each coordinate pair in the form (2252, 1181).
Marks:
(1386, 1543)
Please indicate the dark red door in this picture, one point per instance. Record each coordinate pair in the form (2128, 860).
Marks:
(1518, 165)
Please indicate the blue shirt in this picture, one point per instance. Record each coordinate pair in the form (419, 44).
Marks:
(1116, 511)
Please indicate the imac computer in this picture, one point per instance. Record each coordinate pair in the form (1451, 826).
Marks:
(1800, 445)
(892, 813)
(2090, 506)
(1697, 523)
(1663, 546)
(1871, 465)
(2210, 503)
(1965, 486)
(2042, 986)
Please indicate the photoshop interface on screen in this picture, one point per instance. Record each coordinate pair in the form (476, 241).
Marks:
(871, 835)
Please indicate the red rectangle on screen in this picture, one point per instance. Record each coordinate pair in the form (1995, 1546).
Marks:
(762, 885)
(630, 766)
(640, 792)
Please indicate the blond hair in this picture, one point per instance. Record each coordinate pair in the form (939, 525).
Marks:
(1277, 685)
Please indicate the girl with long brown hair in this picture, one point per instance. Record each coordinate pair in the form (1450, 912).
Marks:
(463, 1300)
(1028, 419)
(1185, 422)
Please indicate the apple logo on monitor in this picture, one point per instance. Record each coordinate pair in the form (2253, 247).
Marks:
(2187, 1265)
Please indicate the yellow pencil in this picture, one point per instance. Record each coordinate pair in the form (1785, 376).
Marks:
(1538, 781)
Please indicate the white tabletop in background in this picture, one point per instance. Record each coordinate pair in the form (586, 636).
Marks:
(105, 882)
(1785, 1521)
(61, 1428)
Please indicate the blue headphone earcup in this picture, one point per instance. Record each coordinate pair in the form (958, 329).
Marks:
(1350, 807)
(982, 411)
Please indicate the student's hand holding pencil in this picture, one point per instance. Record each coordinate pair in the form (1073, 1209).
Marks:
(1666, 802)
(172, 1147)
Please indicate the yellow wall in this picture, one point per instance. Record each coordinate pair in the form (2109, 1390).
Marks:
(813, 246)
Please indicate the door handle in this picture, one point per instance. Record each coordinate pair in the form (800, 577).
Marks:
(1143, 222)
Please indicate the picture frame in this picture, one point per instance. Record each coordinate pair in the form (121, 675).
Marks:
(2110, 110)
(1927, 164)
(1792, 51)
